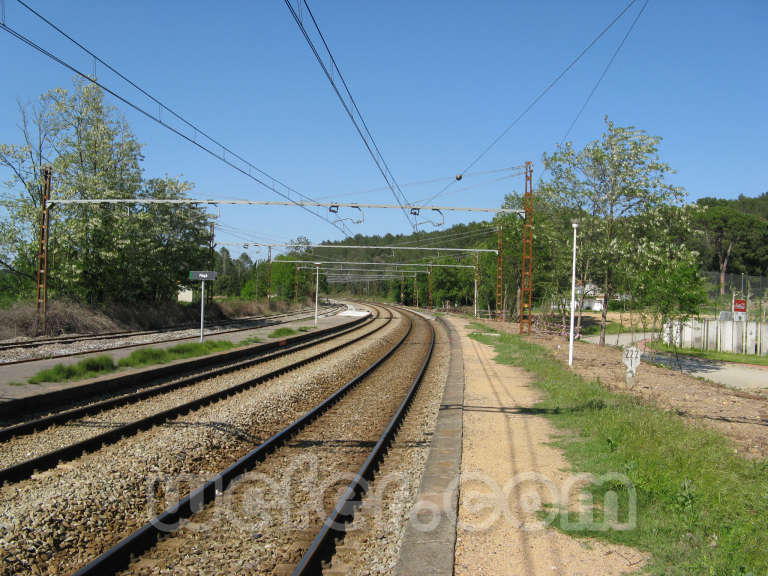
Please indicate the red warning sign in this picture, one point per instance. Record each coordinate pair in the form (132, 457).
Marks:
(739, 305)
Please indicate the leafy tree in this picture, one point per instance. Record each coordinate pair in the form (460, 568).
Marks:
(606, 183)
(733, 236)
(97, 253)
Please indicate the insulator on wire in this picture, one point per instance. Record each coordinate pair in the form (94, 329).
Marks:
(459, 176)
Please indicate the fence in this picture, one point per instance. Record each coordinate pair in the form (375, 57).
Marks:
(752, 288)
(719, 335)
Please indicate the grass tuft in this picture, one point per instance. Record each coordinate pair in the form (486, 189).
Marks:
(99, 365)
(701, 508)
(282, 333)
(87, 368)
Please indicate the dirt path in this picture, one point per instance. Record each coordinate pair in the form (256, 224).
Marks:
(506, 448)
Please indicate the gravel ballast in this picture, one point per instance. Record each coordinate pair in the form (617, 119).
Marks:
(58, 520)
(266, 520)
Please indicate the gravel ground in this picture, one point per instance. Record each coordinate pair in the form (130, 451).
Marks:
(59, 350)
(58, 520)
(266, 520)
(372, 544)
(23, 448)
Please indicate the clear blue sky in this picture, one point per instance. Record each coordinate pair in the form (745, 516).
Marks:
(436, 82)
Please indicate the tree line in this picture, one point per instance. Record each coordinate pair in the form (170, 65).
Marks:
(97, 253)
(640, 242)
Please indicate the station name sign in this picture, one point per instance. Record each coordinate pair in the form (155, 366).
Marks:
(202, 275)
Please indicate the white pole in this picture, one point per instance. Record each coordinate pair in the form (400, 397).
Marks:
(202, 308)
(475, 293)
(573, 295)
(317, 288)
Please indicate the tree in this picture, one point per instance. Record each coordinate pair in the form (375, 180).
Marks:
(731, 232)
(609, 181)
(97, 253)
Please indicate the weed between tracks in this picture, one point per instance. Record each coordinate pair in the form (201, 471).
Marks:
(99, 365)
(701, 509)
(283, 332)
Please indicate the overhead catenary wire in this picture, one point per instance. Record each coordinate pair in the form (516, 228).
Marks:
(515, 169)
(605, 71)
(536, 100)
(354, 115)
(273, 187)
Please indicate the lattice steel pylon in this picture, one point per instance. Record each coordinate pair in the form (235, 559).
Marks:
(269, 274)
(499, 276)
(42, 253)
(429, 301)
(526, 282)
(296, 286)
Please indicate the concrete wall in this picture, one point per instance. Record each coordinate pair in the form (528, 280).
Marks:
(720, 335)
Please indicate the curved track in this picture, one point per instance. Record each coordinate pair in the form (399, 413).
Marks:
(366, 411)
(93, 439)
(263, 321)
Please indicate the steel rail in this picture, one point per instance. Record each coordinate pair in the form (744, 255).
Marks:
(323, 545)
(131, 333)
(327, 312)
(118, 557)
(288, 346)
(60, 399)
(25, 469)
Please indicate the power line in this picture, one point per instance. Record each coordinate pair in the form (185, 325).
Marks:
(605, 70)
(355, 115)
(275, 183)
(537, 98)
(516, 169)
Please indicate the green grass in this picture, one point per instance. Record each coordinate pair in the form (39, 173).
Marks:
(710, 354)
(701, 509)
(87, 368)
(282, 332)
(99, 365)
(150, 356)
(306, 328)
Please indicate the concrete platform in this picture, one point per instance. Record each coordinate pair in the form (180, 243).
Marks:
(21, 372)
(432, 551)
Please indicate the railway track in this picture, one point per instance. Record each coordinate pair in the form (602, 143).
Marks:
(343, 437)
(42, 443)
(58, 520)
(250, 324)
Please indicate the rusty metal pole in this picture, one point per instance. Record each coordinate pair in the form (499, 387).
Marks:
(526, 283)
(269, 273)
(499, 275)
(477, 268)
(429, 300)
(296, 287)
(42, 256)
(212, 262)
